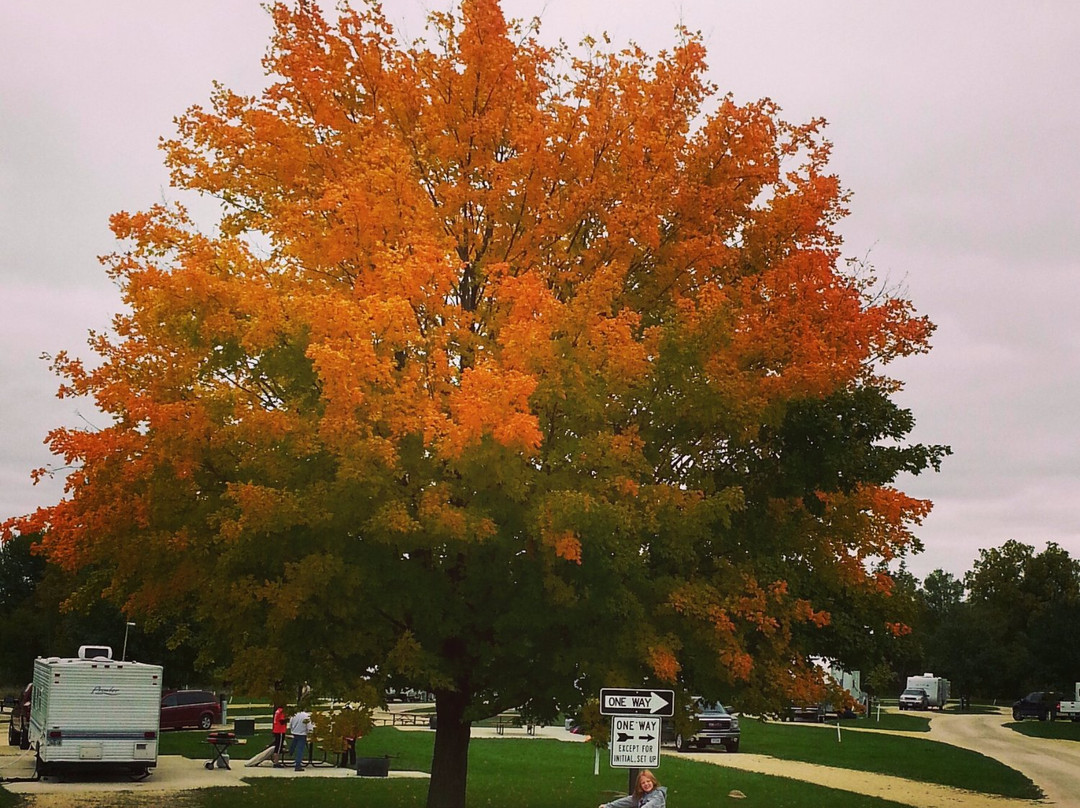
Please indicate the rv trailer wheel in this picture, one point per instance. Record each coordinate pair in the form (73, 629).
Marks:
(41, 768)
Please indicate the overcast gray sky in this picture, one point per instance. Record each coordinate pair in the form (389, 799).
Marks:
(955, 126)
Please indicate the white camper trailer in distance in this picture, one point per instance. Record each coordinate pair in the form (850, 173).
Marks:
(94, 711)
(935, 687)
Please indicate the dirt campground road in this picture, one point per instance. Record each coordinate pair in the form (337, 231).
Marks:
(1054, 766)
(898, 789)
(173, 776)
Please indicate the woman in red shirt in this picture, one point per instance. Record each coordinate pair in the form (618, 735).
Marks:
(281, 725)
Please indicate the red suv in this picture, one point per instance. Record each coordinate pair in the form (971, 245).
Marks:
(190, 708)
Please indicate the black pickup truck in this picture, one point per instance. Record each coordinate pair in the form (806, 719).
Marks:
(710, 726)
(1041, 704)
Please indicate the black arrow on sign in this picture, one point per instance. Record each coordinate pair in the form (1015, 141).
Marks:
(623, 738)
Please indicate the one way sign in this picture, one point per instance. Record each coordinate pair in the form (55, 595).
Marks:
(624, 701)
(635, 742)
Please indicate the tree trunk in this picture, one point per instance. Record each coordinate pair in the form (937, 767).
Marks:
(450, 762)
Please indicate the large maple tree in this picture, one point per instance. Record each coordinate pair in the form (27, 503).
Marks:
(505, 372)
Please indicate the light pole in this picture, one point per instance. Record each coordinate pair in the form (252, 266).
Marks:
(123, 655)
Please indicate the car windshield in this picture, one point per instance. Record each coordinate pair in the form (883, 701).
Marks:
(715, 707)
(915, 693)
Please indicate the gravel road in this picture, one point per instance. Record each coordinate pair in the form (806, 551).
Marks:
(1054, 766)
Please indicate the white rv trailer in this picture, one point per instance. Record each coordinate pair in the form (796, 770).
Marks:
(93, 711)
(935, 687)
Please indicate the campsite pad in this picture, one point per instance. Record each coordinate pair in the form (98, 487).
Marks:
(173, 773)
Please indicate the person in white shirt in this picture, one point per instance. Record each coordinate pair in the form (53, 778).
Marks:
(299, 726)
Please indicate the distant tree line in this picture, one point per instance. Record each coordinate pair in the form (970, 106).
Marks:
(41, 614)
(1007, 627)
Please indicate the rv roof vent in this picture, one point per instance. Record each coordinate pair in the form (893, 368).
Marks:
(95, 652)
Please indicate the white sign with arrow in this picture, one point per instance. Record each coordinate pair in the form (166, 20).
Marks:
(626, 701)
(635, 742)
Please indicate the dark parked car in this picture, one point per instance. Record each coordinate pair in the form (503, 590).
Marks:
(19, 728)
(804, 712)
(190, 708)
(1042, 704)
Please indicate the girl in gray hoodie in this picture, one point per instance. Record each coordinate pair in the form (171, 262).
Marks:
(648, 793)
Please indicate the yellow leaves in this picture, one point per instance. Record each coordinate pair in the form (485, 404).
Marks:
(567, 546)
(530, 320)
(735, 612)
(618, 353)
(433, 518)
(407, 655)
(310, 575)
(393, 518)
(664, 664)
(804, 610)
(443, 520)
(806, 686)
(738, 663)
(261, 510)
(879, 518)
(489, 402)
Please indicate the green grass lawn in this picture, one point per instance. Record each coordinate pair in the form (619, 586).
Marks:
(524, 773)
(895, 721)
(529, 773)
(1059, 730)
(914, 758)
